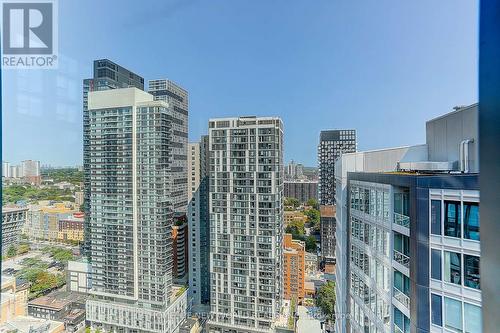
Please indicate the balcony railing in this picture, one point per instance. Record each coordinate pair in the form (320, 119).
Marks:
(402, 297)
(402, 220)
(402, 259)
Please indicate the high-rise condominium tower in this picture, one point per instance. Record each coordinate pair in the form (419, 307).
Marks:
(130, 213)
(246, 223)
(408, 233)
(177, 97)
(332, 144)
(198, 222)
(107, 75)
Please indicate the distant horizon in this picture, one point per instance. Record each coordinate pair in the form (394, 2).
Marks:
(341, 67)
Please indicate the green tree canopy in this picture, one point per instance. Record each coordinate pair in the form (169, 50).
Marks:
(313, 203)
(325, 299)
(311, 244)
(11, 251)
(293, 202)
(296, 228)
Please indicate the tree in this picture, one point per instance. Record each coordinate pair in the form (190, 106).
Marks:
(12, 251)
(311, 244)
(325, 299)
(296, 228)
(313, 217)
(293, 202)
(313, 203)
(23, 248)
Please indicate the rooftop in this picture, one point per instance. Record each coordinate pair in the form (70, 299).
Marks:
(25, 324)
(57, 300)
(327, 210)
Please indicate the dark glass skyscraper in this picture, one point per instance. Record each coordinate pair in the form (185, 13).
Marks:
(332, 144)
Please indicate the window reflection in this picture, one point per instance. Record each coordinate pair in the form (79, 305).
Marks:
(452, 219)
(471, 220)
(452, 267)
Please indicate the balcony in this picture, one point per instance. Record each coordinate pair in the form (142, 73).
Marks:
(401, 297)
(402, 220)
(402, 259)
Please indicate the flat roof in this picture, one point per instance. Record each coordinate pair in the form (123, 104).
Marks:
(327, 210)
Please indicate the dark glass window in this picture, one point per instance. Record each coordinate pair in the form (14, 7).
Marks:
(436, 217)
(452, 218)
(452, 267)
(471, 271)
(436, 264)
(436, 310)
(471, 220)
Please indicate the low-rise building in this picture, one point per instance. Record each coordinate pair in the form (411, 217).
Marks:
(77, 278)
(13, 219)
(56, 305)
(294, 268)
(71, 228)
(294, 216)
(42, 221)
(13, 298)
(26, 324)
(311, 264)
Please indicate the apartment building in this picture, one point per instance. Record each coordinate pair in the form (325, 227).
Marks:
(246, 223)
(332, 144)
(71, 228)
(13, 220)
(294, 268)
(180, 257)
(42, 221)
(327, 233)
(301, 190)
(130, 214)
(198, 221)
(409, 240)
(106, 75)
(13, 298)
(177, 98)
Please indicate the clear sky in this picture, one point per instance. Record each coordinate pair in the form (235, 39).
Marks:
(382, 67)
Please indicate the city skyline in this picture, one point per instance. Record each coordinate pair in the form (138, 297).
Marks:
(255, 72)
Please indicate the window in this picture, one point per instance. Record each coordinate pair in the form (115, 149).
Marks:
(436, 217)
(436, 310)
(453, 314)
(436, 264)
(471, 220)
(472, 316)
(471, 271)
(452, 267)
(452, 218)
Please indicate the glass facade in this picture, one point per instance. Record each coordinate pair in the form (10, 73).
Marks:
(471, 271)
(471, 220)
(452, 267)
(452, 218)
(436, 264)
(370, 257)
(436, 310)
(436, 217)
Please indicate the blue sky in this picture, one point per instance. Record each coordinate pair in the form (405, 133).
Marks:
(382, 67)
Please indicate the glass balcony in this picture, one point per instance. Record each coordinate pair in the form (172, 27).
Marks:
(402, 297)
(402, 220)
(402, 259)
